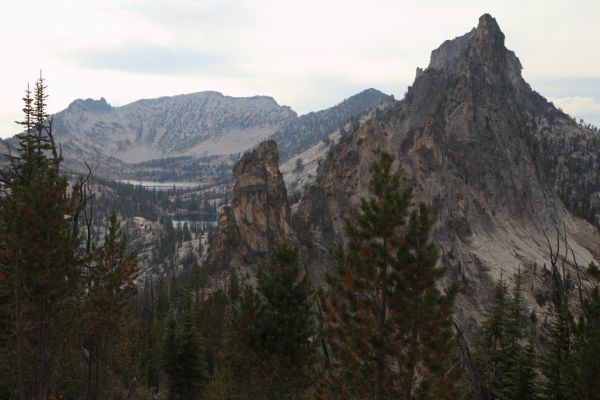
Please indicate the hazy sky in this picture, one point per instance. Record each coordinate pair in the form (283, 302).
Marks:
(307, 54)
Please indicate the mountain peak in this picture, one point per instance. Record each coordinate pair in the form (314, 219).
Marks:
(481, 49)
(90, 105)
(488, 36)
(488, 29)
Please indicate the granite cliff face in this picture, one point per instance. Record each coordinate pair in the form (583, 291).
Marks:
(468, 137)
(258, 214)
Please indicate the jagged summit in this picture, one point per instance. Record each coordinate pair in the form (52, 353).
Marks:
(488, 31)
(481, 48)
(90, 105)
(488, 155)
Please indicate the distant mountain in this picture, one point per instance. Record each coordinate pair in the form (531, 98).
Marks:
(192, 136)
(298, 135)
(199, 124)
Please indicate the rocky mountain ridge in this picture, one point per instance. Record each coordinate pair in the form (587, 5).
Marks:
(196, 132)
(468, 138)
(198, 124)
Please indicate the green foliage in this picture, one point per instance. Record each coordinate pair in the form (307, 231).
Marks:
(272, 353)
(109, 288)
(183, 358)
(558, 361)
(39, 263)
(506, 365)
(385, 321)
(587, 343)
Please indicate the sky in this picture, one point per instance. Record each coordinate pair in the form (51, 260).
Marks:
(308, 54)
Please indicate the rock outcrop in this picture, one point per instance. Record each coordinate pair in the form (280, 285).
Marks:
(258, 214)
(467, 136)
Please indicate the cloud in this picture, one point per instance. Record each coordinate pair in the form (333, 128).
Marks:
(151, 59)
(580, 107)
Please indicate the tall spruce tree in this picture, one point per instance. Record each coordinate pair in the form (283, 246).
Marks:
(385, 320)
(518, 380)
(109, 287)
(586, 363)
(38, 261)
(489, 356)
(505, 356)
(273, 352)
(183, 357)
(557, 363)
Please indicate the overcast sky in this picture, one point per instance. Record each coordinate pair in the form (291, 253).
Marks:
(307, 54)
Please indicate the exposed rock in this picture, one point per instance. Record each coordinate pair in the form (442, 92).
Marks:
(467, 137)
(258, 214)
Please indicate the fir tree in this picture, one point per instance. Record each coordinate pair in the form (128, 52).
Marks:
(286, 321)
(507, 366)
(38, 261)
(387, 324)
(587, 342)
(109, 290)
(169, 351)
(191, 364)
(489, 355)
(518, 379)
(558, 362)
(183, 358)
(272, 351)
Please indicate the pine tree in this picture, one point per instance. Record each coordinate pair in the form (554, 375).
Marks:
(191, 363)
(385, 321)
(109, 290)
(233, 291)
(169, 351)
(558, 362)
(271, 351)
(244, 362)
(507, 366)
(587, 343)
(183, 359)
(489, 355)
(286, 322)
(39, 259)
(518, 379)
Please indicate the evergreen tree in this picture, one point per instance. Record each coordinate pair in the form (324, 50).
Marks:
(272, 352)
(489, 355)
(558, 362)
(191, 364)
(518, 379)
(109, 290)
(587, 343)
(183, 358)
(234, 287)
(244, 361)
(506, 366)
(38, 261)
(387, 324)
(286, 321)
(169, 351)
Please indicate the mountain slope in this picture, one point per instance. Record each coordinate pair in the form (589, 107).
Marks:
(308, 130)
(468, 137)
(171, 137)
(199, 124)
